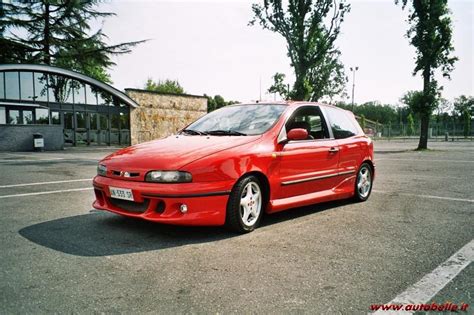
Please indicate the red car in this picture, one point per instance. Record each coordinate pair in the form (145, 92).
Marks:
(234, 164)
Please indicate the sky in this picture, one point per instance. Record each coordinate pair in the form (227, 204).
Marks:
(209, 48)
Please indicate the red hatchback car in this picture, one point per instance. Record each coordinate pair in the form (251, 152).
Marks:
(234, 164)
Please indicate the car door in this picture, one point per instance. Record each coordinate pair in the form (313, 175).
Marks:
(308, 166)
(349, 139)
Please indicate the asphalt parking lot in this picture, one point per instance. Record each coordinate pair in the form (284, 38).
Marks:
(58, 255)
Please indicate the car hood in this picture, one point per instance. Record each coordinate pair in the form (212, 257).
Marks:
(173, 152)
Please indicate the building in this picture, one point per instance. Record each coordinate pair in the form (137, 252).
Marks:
(71, 109)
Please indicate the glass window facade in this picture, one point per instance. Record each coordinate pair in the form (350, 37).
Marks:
(26, 86)
(89, 115)
(41, 87)
(104, 98)
(3, 116)
(55, 118)
(42, 116)
(91, 95)
(60, 89)
(12, 86)
(79, 92)
(2, 85)
(81, 120)
(14, 117)
(27, 117)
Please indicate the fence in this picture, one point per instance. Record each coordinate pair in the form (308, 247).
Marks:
(437, 131)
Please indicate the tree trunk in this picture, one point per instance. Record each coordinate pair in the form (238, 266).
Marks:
(46, 35)
(425, 112)
(425, 121)
(298, 92)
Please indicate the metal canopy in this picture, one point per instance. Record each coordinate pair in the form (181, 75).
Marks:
(71, 74)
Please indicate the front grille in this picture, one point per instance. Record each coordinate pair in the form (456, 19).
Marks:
(130, 206)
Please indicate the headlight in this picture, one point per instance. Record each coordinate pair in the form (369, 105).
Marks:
(101, 170)
(168, 177)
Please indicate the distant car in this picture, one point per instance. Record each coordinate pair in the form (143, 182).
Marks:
(234, 164)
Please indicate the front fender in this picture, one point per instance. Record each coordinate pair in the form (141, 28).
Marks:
(234, 163)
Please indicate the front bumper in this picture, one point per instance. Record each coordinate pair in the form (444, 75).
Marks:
(206, 202)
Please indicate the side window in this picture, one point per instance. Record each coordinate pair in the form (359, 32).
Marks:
(311, 119)
(341, 124)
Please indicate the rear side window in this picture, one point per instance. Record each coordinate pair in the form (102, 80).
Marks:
(341, 123)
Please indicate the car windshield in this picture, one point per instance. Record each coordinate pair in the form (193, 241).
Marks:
(237, 120)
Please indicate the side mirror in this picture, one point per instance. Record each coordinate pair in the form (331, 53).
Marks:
(297, 134)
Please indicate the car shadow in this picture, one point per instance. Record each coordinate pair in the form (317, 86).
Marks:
(101, 233)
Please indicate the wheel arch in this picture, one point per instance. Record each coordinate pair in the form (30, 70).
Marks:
(371, 164)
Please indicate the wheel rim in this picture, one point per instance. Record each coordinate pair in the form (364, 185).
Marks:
(364, 182)
(250, 204)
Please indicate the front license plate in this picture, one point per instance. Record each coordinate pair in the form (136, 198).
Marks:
(121, 193)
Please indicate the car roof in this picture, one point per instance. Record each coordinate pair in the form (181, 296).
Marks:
(292, 103)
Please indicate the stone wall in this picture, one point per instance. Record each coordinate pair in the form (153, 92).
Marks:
(160, 115)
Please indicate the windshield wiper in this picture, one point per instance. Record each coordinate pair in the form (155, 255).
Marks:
(193, 132)
(226, 133)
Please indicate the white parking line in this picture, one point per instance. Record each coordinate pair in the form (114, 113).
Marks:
(30, 160)
(45, 192)
(47, 183)
(424, 196)
(425, 289)
(420, 160)
(19, 161)
(22, 155)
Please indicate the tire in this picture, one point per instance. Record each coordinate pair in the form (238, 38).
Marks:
(364, 182)
(245, 206)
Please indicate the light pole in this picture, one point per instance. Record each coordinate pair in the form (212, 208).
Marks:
(353, 70)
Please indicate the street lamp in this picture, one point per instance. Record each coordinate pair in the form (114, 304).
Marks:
(353, 70)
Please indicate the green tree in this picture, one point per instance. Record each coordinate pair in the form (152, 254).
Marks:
(279, 85)
(10, 51)
(362, 121)
(217, 102)
(59, 33)
(443, 106)
(467, 122)
(220, 101)
(310, 28)
(373, 111)
(414, 100)
(211, 104)
(430, 33)
(166, 86)
(411, 125)
(463, 103)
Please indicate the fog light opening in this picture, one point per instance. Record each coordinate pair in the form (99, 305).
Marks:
(183, 208)
(160, 207)
(99, 197)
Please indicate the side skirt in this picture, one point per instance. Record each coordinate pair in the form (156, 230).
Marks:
(344, 190)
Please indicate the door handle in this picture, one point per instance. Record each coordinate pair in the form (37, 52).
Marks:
(333, 150)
